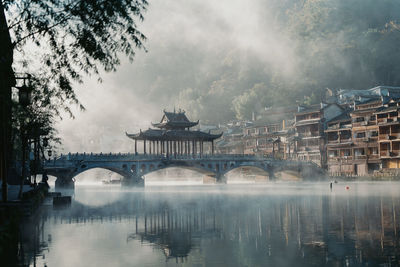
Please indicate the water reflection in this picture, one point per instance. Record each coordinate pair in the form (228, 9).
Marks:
(219, 228)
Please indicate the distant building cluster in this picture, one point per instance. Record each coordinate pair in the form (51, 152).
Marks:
(352, 133)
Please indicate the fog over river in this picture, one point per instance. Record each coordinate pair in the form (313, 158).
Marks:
(270, 224)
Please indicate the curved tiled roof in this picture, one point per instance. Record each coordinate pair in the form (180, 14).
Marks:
(175, 120)
(173, 135)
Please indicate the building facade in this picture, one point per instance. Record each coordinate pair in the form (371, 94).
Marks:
(310, 124)
(266, 139)
(388, 124)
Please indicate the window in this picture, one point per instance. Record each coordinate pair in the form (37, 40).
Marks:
(346, 152)
(359, 152)
(373, 133)
(360, 135)
(332, 153)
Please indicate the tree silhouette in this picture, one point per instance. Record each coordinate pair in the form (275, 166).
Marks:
(68, 39)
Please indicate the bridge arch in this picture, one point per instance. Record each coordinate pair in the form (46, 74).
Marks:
(121, 171)
(106, 173)
(197, 167)
(243, 172)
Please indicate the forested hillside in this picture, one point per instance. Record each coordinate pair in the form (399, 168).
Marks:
(324, 44)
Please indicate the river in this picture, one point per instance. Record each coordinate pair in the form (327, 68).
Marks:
(276, 224)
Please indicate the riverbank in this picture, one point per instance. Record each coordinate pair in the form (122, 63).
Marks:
(366, 178)
(11, 215)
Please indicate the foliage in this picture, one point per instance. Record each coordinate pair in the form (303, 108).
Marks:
(336, 44)
(71, 38)
(57, 42)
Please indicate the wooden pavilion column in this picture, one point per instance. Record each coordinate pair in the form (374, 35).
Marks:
(166, 143)
(158, 147)
(175, 148)
(135, 146)
(188, 147)
(182, 147)
(185, 147)
(181, 142)
(150, 147)
(154, 147)
(212, 147)
(144, 146)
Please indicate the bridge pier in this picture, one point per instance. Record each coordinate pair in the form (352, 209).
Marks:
(133, 180)
(64, 182)
(271, 175)
(220, 178)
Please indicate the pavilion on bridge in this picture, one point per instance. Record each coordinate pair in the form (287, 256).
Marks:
(174, 137)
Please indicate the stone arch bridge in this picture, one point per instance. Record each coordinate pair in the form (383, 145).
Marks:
(134, 166)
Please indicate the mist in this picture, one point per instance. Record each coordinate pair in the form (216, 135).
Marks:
(224, 60)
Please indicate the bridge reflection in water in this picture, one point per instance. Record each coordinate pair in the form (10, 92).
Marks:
(297, 229)
(133, 167)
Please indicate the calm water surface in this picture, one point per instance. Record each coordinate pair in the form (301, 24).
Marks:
(280, 224)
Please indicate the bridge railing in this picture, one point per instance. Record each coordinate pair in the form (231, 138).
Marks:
(70, 160)
(133, 156)
(130, 156)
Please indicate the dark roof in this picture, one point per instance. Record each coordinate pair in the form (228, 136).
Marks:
(369, 100)
(175, 120)
(173, 135)
(367, 110)
(386, 109)
(258, 124)
(309, 109)
(341, 117)
(176, 117)
(308, 122)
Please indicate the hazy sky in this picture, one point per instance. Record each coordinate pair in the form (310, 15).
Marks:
(189, 42)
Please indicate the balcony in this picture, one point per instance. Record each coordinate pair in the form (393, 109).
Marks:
(361, 139)
(358, 124)
(338, 159)
(382, 120)
(346, 158)
(394, 136)
(373, 156)
(308, 148)
(387, 120)
(384, 153)
(394, 153)
(360, 156)
(310, 134)
(383, 137)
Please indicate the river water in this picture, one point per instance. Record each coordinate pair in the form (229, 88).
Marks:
(277, 224)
